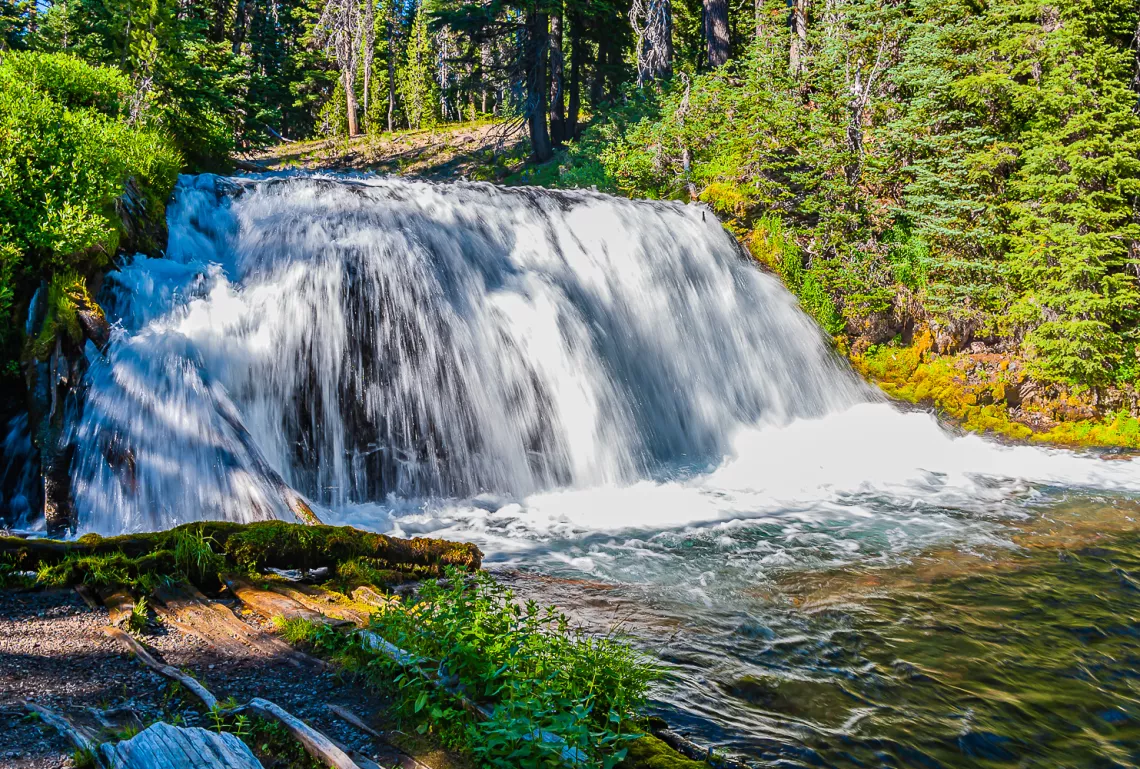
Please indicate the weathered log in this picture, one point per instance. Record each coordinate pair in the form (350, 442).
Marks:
(316, 744)
(119, 605)
(174, 674)
(74, 734)
(367, 595)
(88, 595)
(270, 603)
(256, 546)
(193, 613)
(323, 601)
(162, 746)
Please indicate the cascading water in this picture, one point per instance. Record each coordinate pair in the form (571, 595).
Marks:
(358, 339)
(603, 388)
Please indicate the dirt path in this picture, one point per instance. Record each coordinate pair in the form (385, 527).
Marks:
(52, 651)
(452, 151)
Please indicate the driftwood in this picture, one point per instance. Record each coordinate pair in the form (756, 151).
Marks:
(316, 744)
(366, 594)
(88, 595)
(171, 672)
(75, 734)
(162, 746)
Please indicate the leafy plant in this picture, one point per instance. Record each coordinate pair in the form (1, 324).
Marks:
(553, 692)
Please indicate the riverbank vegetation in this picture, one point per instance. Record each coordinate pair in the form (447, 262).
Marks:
(463, 662)
(959, 168)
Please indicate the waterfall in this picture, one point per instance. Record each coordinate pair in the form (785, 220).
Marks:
(358, 339)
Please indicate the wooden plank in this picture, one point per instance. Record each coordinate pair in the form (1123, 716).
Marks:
(316, 744)
(162, 746)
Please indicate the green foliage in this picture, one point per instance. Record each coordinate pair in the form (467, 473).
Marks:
(296, 630)
(986, 186)
(536, 674)
(66, 152)
(140, 616)
(416, 78)
(194, 555)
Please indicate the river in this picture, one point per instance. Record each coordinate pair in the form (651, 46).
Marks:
(638, 424)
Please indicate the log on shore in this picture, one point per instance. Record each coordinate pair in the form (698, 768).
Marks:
(253, 546)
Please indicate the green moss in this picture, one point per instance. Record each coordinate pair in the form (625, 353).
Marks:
(201, 552)
(916, 375)
(648, 752)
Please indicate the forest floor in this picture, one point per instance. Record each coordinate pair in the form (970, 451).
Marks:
(479, 150)
(53, 652)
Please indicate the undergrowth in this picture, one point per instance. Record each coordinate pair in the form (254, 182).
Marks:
(555, 694)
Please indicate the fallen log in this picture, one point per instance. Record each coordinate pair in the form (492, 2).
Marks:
(269, 603)
(119, 605)
(249, 547)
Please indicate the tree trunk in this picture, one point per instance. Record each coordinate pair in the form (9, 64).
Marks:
(716, 32)
(653, 22)
(758, 8)
(598, 85)
(391, 73)
(369, 52)
(350, 101)
(536, 101)
(557, 98)
(577, 60)
(797, 55)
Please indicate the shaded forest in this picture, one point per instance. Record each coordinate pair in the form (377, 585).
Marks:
(964, 167)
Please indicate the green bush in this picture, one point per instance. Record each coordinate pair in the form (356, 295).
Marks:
(66, 152)
(536, 676)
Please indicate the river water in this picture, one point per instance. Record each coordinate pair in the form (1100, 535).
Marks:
(637, 424)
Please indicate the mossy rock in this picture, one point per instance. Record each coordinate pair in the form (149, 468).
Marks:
(649, 752)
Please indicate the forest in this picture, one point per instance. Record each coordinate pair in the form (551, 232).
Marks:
(966, 168)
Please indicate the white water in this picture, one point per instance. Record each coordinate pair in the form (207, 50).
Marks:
(592, 382)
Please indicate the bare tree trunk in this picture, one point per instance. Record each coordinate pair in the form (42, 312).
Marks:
(652, 22)
(391, 70)
(484, 65)
(758, 8)
(557, 97)
(577, 60)
(349, 80)
(797, 56)
(536, 98)
(716, 32)
(598, 85)
(369, 52)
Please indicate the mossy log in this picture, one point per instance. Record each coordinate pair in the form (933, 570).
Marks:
(248, 547)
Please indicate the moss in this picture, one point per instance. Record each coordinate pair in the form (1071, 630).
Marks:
(916, 375)
(201, 551)
(648, 752)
